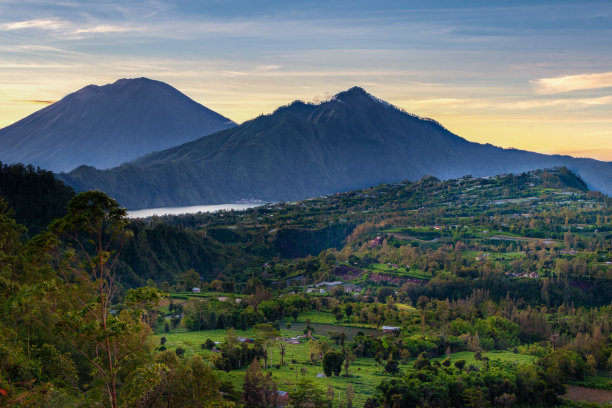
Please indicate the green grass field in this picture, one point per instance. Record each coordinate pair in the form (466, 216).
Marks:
(316, 317)
(468, 356)
(401, 271)
(365, 373)
(327, 318)
(596, 381)
(502, 256)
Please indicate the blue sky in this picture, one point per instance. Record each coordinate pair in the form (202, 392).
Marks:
(535, 75)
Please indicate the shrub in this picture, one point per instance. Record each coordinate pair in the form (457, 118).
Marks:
(460, 364)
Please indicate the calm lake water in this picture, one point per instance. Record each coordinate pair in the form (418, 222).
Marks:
(149, 212)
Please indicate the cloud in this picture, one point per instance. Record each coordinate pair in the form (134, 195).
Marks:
(106, 29)
(66, 28)
(570, 83)
(271, 67)
(543, 103)
(38, 102)
(43, 24)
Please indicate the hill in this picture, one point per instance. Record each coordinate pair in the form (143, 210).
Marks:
(104, 126)
(304, 150)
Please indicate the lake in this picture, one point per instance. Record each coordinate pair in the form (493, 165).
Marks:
(149, 212)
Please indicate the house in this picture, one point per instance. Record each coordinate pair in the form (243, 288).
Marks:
(375, 242)
(351, 288)
(282, 398)
(245, 340)
(195, 290)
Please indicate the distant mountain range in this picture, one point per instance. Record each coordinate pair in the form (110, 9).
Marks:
(303, 150)
(104, 126)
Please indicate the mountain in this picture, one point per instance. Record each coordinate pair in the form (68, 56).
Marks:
(104, 126)
(303, 150)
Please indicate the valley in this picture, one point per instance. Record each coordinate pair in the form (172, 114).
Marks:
(474, 289)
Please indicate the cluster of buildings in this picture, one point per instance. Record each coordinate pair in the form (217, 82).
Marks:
(324, 287)
(533, 275)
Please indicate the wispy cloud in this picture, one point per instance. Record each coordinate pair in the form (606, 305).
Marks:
(68, 29)
(106, 29)
(43, 24)
(565, 102)
(570, 83)
(34, 101)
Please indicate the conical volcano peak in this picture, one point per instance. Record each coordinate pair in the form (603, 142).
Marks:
(358, 95)
(127, 82)
(354, 92)
(104, 126)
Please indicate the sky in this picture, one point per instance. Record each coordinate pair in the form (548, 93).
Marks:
(534, 75)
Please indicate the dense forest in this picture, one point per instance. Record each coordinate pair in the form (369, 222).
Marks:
(472, 292)
(34, 194)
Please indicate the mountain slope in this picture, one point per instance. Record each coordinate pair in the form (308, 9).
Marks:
(304, 150)
(104, 126)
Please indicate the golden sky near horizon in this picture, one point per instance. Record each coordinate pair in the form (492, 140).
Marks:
(562, 131)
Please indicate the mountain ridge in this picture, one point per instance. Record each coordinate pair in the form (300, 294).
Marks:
(107, 125)
(304, 150)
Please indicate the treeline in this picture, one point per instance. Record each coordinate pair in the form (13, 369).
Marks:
(34, 194)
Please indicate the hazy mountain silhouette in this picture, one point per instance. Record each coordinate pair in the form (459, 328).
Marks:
(302, 150)
(104, 126)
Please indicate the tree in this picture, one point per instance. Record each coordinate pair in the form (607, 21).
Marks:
(348, 309)
(591, 365)
(172, 382)
(384, 292)
(265, 334)
(350, 396)
(392, 367)
(145, 299)
(317, 349)
(332, 363)
(259, 389)
(88, 240)
(282, 347)
(349, 357)
(460, 364)
(330, 392)
(475, 398)
(306, 394)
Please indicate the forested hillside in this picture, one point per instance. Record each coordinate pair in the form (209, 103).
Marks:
(467, 292)
(34, 194)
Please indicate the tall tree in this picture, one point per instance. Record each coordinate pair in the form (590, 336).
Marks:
(307, 395)
(266, 333)
(88, 241)
(259, 388)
